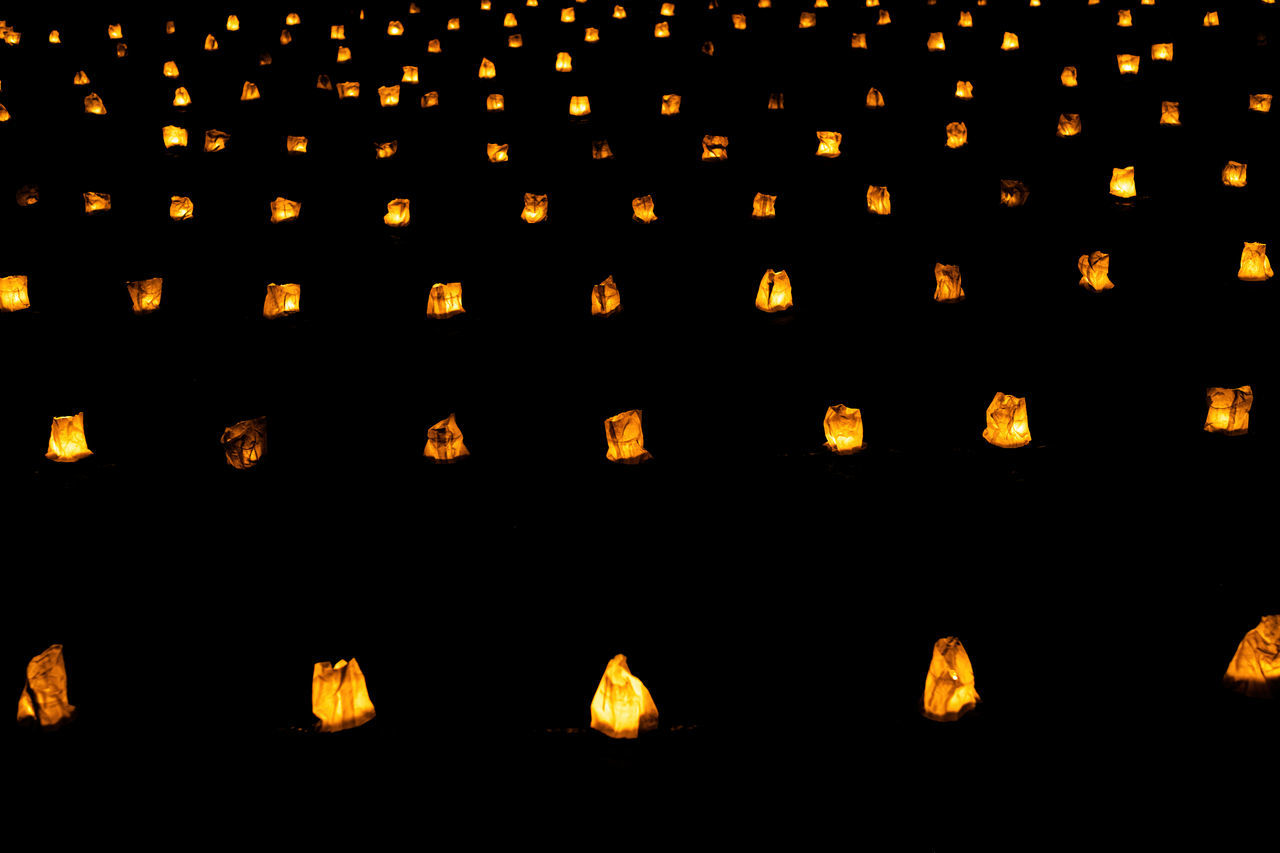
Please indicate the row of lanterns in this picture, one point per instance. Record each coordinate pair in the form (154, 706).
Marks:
(245, 442)
(622, 706)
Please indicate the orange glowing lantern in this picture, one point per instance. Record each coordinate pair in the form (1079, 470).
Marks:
(344, 54)
(410, 74)
(510, 20)
(444, 442)
(66, 439)
(444, 300)
(591, 34)
(936, 42)
(1260, 103)
(715, 148)
(762, 206)
(966, 20)
(430, 99)
(389, 96)
(1122, 182)
(1007, 422)
(1254, 263)
(661, 30)
(619, 12)
(878, 200)
(535, 208)
(670, 105)
(1162, 52)
(1255, 668)
(776, 101)
(44, 695)
(13, 293)
(249, 92)
(397, 215)
(1211, 19)
(395, 28)
(858, 41)
(383, 150)
(122, 50)
(295, 144)
(337, 32)
(774, 293)
(497, 153)
(170, 70)
(949, 690)
(667, 9)
(1169, 113)
(1128, 63)
(843, 427)
(884, 20)
(739, 21)
(181, 97)
(54, 37)
(282, 300)
(948, 287)
(829, 143)
(622, 706)
(1068, 124)
(625, 438)
(875, 100)
(284, 210)
(81, 79)
(605, 299)
(115, 31)
(27, 195)
(454, 23)
(566, 15)
(579, 105)
(433, 46)
(964, 90)
(807, 20)
(349, 89)
(180, 208)
(93, 104)
(145, 294)
(1228, 410)
(564, 62)
(495, 103)
(957, 134)
(642, 209)
(210, 43)
(339, 696)
(96, 202)
(1010, 42)
(293, 19)
(1235, 174)
(600, 150)
(233, 23)
(487, 69)
(169, 28)
(1093, 271)
(323, 82)
(216, 140)
(1068, 77)
(245, 443)
(1124, 18)
(285, 37)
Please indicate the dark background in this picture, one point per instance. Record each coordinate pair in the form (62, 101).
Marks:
(780, 603)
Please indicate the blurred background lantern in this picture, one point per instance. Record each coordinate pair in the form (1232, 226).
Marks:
(715, 147)
(619, 12)
(181, 207)
(1228, 410)
(1007, 421)
(564, 62)
(181, 97)
(145, 294)
(282, 300)
(1068, 124)
(957, 134)
(1123, 182)
(774, 293)
(397, 215)
(349, 89)
(858, 41)
(622, 706)
(210, 43)
(433, 46)
(344, 54)
(444, 300)
(579, 105)
(884, 20)
(1010, 42)
(1093, 271)
(295, 144)
(430, 99)
(93, 105)
(1162, 52)
(487, 69)
(843, 427)
(670, 105)
(293, 19)
(66, 439)
(395, 28)
(444, 442)
(283, 210)
(96, 202)
(215, 140)
(661, 30)
(535, 208)
(115, 31)
(383, 150)
(739, 21)
(409, 74)
(762, 206)
(1254, 263)
(591, 35)
(1255, 668)
(122, 49)
(44, 695)
(233, 23)
(642, 209)
(510, 20)
(1013, 193)
(1235, 174)
(1210, 19)
(495, 103)
(1127, 62)
(1068, 77)
(454, 23)
(337, 32)
(13, 293)
(878, 200)
(964, 90)
(174, 137)
(625, 438)
(245, 443)
(600, 150)
(829, 143)
(949, 688)
(80, 79)
(947, 288)
(605, 299)
(1124, 18)
(285, 36)
(936, 42)
(1260, 103)
(875, 100)
(323, 82)
(776, 101)
(667, 9)
(339, 696)
(1169, 113)
(566, 15)
(389, 96)
(497, 152)
(966, 20)
(55, 37)
(27, 195)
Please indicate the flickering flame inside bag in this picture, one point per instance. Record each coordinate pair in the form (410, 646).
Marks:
(625, 438)
(622, 706)
(1228, 410)
(843, 427)
(774, 293)
(949, 690)
(1007, 424)
(44, 696)
(1255, 668)
(444, 441)
(66, 439)
(340, 696)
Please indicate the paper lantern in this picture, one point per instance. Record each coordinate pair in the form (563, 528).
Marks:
(875, 100)
(340, 696)
(96, 202)
(774, 293)
(936, 42)
(181, 207)
(1169, 113)
(170, 70)
(1260, 103)
(13, 293)
(625, 438)
(619, 12)
(383, 150)
(1127, 62)
(285, 37)
(66, 439)
(444, 442)
(948, 287)
(670, 105)
(1254, 263)
(957, 134)
(661, 30)
(949, 689)
(878, 200)
(215, 140)
(1093, 271)
(709, 48)
(829, 143)
(966, 20)
(389, 96)
(964, 90)
(564, 62)
(667, 9)
(249, 92)
(323, 82)
(81, 79)
(210, 43)
(282, 300)
(600, 150)
(807, 20)
(579, 105)
(495, 103)
(535, 208)
(397, 215)
(1235, 174)
(1124, 18)
(283, 210)
(174, 137)
(566, 15)
(169, 28)
(843, 427)
(454, 23)
(233, 23)
(122, 49)
(295, 144)
(410, 74)
(1068, 76)
(1010, 42)
(1228, 410)
(245, 443)
(884, 20)
(775, 100)
(181, 97)
(715, 147)
(1068, 124)
(605, 299)
(1255, 668)
(344, 54)
(115, 31)
(510, 20)
(1007, 422)
(1122, 182)
(337, 32)
(145, 294)
(739, 21)
(591, 35)
(1162, 52)
(44, 695)
(395, 28)
(349, 89)
(433, 46)
(497, 153)
(1211, 19)
(622, 706)
(487, 69)
(430, 99)
(762, 206)
(858, 41)
(54, 37)
(11, 36)
(293, 19)
(642, 209)
(93, 105)
(444, 300)
(27, 195)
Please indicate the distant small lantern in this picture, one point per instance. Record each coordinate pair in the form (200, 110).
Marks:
(510, 20)
(957, 134)
(661, 30)
(1007, 422)
(454, 24)
(496, 152)
(1169, 113)
(145, 294)
(282, 300)
(566, 15)
(1260, 103)
(622, 706)
(878, 200)
(13, 293)
(1235, 174)
(535, 208)
(181, 97)
(54, 37)
(1010, 42)
(1254, 670)
(430, 99)
(82, 79)
(27, 195)
(384, 150)
(884, 20)
(122, 50)
(337, 32)
(807, 20)
(625, 438)
(115, 31)
(774, 293)
(670, 105)
(642, 209)
(513, 40)
(591, 35)
(715, 147)
(44, 695)
(1124, 18)
(1162, 52)
(389, 96)
(739, 21)
(245, 443)
(1128, 63)
(487, 69)
(843, 427)
(579, 105)
(293, 19)
(340, 696)
(66, 439)
(215, 140)
(410, 74)
(966, 20)
(1068, 77)
(495, 103)
(605, 299)
(1093, 271)
(295, 144)
(344, 54)
(249, 92)
(210, 43)
(947, 287)
(1211, 19)
(96, 202)
(93, 105)
(233, 23)
(600, 150)
(619, 12)
(349, 89)
(949, 688)
(875, 100)
(964, 90)
(762, 206)
(1068, 124)
(174, 137)
(936, 42)
(667, 9)
(1228, 410)
(170, 70)
(169, 28)
(284, 210)
(858, 41)
(433, 46)
(397, 215)
(776, 100)
(564, 62)
(395, 28)
(1254, 263)
(1122, 182)
(285, 36)
(444, 442)
(444, 300)
(323, 82)
(829, 143)
(181, 208)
